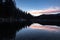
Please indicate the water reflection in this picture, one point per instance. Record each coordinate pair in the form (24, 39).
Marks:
(44, 27)
(39, 32)
(28, 31)
(8, 30)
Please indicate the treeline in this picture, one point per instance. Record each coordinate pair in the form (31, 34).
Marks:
(9, 9)
(50, 16)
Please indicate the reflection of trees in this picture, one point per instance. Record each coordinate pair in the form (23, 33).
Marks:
(8, 25)
(52, 19)
(8, 30)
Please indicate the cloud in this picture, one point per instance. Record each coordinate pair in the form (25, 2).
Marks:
(51, 10)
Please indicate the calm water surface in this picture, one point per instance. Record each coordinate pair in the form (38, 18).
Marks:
(39, 32)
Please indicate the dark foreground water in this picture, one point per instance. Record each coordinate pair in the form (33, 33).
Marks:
(32, 31)
(38, 32)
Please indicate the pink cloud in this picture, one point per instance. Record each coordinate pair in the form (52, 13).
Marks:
(51, 10)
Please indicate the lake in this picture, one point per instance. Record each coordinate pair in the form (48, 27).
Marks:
(36, 31)
(29, 31)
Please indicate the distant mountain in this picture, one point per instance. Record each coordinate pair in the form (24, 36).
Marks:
(52, 19)
(51, 16)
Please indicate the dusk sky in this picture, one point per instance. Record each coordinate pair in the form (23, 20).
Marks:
(37, 6)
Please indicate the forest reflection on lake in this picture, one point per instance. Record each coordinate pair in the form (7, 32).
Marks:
(39, 32)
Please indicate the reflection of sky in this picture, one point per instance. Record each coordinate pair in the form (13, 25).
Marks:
(44, 27)
(38, 32)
